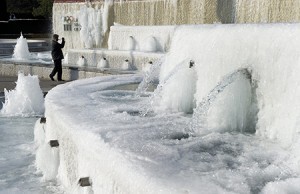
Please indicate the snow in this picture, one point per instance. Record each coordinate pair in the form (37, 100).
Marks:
(241, 138)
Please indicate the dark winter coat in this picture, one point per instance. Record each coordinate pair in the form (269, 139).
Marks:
(56, 50)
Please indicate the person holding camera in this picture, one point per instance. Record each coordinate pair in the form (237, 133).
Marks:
(57, 56)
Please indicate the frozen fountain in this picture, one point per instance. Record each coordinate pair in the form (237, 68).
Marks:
(25, 100)
(26, 51)
(214, 123)
(21, 51)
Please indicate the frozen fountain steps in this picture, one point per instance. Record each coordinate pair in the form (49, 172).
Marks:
(115, 58)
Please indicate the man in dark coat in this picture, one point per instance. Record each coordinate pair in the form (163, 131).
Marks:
(57, 56)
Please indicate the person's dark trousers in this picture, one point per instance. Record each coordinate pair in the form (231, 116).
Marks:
(57, 69)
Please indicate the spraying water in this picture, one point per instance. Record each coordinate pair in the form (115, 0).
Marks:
(150, 76)
(81, 61)
(21, 50)
(239, 84)
(271, 50)
(223, 160)
(175, 91)
(26, 99)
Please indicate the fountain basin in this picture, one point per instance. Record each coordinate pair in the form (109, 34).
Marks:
(103, 136)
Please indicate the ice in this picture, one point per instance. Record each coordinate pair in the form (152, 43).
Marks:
(81, 61)
(287, 186)
(47, 159)
(26, 99)
(107, 5)
(102, 63)
(21, 50)
(178, 92)
(149, 44)
(90, 21)
(226, 124)
(219, 109)
(17, 160)
(220, 49)
(140, 38)
(94, 24)
(131, 43)
(127, 66)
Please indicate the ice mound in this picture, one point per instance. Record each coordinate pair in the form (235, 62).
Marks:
(21, 50)
(26, 99)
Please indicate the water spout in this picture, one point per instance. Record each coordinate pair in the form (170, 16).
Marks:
(200, 124)
(21, 50)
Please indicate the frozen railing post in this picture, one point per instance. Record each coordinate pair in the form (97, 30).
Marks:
(84, 182)
(54, 143)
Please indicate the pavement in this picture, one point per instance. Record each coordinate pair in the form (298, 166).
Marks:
(9, 82)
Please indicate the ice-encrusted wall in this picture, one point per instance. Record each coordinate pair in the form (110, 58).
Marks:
(141, 38)
(172, 12)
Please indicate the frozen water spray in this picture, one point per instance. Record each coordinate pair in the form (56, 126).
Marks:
(21, 50)
(26, 99)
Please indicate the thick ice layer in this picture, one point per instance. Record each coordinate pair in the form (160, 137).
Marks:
(90, 21)
(26, 99)
(270, 50)
(103, 136)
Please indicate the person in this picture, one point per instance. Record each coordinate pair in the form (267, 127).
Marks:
(57, 56)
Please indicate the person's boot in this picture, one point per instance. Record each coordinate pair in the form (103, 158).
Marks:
(51, 77)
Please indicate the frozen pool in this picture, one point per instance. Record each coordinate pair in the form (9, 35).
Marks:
(18, 114)
(17, 159)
